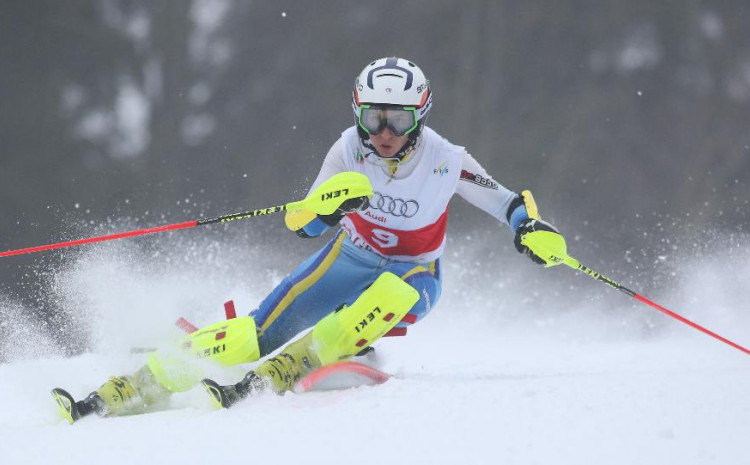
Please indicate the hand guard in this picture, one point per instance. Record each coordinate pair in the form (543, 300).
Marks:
(347, 206)
(530, 225)
(297, 221)
(352, 205)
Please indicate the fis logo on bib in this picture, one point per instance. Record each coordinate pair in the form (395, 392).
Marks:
(442, 169)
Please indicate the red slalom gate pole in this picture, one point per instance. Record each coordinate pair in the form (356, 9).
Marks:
(575, 264)
(153, 230)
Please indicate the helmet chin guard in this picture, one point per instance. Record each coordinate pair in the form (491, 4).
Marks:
(392, 83)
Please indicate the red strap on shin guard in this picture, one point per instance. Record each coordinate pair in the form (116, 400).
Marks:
(395, 332)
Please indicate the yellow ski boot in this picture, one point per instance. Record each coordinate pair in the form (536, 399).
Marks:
(120, 395)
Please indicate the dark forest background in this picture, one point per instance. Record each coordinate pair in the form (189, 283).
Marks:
(621, 116)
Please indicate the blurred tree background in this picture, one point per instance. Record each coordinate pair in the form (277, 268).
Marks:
(618, 114)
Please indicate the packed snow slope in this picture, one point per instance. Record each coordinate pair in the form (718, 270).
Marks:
(517, 365)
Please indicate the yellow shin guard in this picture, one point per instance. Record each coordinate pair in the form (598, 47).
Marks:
(347, 331)
(227, 343)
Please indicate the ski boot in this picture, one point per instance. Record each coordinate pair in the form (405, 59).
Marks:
(112, 398)
(120, 395)
(279, 373)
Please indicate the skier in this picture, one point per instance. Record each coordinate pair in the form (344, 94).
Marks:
(380, 273)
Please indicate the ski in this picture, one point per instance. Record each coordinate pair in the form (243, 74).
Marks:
(336, 376)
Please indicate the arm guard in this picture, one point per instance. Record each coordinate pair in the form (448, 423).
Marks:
(521, 208)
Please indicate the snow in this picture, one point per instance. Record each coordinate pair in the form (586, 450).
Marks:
(494, 375)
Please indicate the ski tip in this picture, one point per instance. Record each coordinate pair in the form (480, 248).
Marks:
(66, 405)
(216, 392)
(341, 375)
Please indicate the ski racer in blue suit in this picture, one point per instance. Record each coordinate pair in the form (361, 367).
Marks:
(398, 233)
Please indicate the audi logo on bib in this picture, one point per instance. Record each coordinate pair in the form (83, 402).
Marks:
(394, 206)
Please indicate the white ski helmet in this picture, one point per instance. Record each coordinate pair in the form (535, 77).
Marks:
(394, 93)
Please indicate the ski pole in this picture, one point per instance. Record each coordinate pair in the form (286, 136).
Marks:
(324, 200)
(640, 298)
(553, 249)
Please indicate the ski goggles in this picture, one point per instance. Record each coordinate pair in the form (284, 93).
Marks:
(401, 121)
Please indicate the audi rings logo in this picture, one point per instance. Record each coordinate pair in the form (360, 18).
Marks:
(394, 206)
